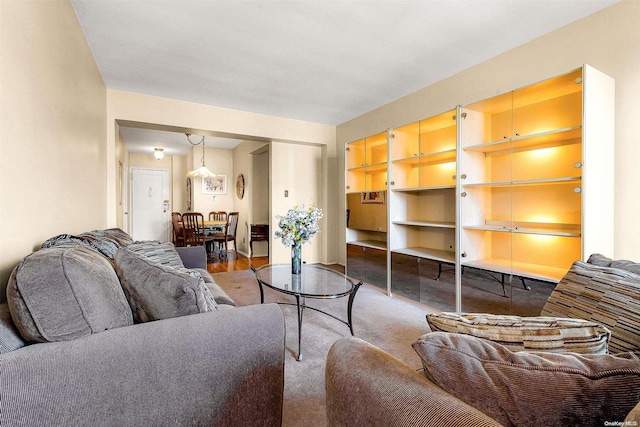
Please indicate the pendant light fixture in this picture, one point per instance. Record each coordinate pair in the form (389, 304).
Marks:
(202, 171)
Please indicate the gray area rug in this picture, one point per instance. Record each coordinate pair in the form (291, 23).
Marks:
(391, 324)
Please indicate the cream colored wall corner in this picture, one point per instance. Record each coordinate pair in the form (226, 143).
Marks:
(53, 160)
(608, 40)
(243, 164)
(126, 106)
(122, 182)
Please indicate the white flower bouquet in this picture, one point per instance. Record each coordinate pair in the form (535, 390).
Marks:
(298, 225)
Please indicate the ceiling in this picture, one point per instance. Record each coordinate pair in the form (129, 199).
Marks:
(315, 60)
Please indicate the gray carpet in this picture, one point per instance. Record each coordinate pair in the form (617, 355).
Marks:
(389, 323)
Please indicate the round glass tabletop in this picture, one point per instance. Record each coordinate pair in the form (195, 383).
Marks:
(315, 281)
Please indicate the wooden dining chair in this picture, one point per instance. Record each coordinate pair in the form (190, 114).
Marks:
(229, 234)
(195, 232)
(178, 229)
(218, 215)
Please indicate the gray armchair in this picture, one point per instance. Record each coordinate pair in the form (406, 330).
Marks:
(368, 387)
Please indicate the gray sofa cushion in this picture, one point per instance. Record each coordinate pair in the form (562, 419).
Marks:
(218, 294)
(9, 336)
(623, 264)
(164, 253)
(159, 292)
(550, 334)
(531, 388)
(65, 292)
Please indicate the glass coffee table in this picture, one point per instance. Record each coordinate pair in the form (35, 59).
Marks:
(315, 281)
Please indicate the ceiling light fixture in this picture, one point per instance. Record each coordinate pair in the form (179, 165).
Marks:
(201, 172)
(158, 153)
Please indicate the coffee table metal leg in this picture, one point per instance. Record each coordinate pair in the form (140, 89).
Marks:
(261, 293)
(259, 286)
(350, 305)
(300, 311)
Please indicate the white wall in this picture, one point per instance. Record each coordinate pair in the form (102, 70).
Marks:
(608, 40)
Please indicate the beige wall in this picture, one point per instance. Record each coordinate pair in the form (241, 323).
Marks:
(53, 161)
(608, 40)
(220, 162)
(297, 169)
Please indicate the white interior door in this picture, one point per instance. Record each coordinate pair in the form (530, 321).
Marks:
(150, 204)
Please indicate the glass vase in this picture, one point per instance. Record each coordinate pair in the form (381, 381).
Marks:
(296, 258)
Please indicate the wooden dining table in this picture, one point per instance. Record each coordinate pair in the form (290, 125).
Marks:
(214, 223)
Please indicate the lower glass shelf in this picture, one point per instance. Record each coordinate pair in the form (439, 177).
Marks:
(376, 244)
(521, 269)
(429, 253)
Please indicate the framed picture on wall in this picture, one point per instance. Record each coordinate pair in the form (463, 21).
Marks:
(214, 185)
(376, 197)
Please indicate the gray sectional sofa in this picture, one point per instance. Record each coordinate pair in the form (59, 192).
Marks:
(99, 330)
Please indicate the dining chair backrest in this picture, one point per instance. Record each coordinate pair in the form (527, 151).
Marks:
(218, 215)
(194, 228)
(232, 223)
(178, 229)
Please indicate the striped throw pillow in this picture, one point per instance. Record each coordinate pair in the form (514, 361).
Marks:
(607, 295)
(549, 334)
(163, 253)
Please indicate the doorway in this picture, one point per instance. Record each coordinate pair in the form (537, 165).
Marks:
(150, 204)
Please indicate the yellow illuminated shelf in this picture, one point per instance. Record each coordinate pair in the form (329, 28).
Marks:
(377, 167)
(429, 159)
(542, 181)
(423, 189)
(552, 138)
(548, 229)
(435, 224)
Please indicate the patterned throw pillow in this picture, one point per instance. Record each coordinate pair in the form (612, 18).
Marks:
(107, 242)
(531, 388)
(158, 252)
(550, 334)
